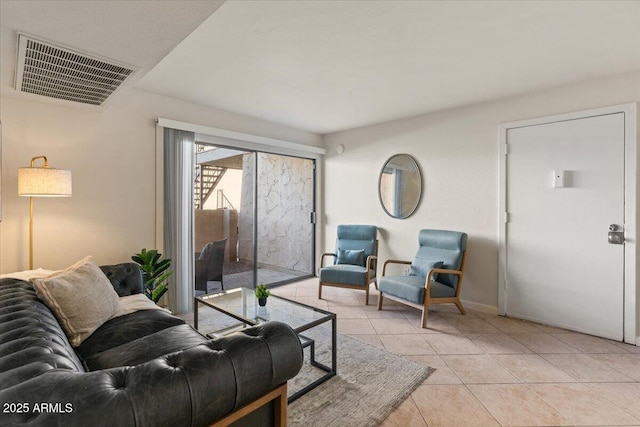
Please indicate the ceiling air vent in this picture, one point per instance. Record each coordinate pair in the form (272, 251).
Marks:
(59, 72)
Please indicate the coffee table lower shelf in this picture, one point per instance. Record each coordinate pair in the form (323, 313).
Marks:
(330, 372)
(298, 327)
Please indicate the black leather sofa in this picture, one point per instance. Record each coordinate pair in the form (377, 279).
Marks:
(147, 368)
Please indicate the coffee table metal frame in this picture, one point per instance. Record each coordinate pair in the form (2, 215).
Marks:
(210, 301)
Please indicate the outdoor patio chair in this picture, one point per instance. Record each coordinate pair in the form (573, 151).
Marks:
(209, 265)
(354, 261)
(435, 276)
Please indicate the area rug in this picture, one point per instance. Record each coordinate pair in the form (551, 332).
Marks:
(370, 384)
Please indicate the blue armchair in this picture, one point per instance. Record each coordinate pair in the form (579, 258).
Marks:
(435, 276)
(355, 259)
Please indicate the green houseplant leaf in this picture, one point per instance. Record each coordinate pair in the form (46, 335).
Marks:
(155, 272)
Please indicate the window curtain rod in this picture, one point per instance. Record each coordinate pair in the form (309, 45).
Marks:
(239, 136)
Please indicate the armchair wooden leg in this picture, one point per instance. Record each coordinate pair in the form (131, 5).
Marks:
(320, 290)
(366, 298)
(425, 310)
(425, 314)
(460, 307)
(380, 301)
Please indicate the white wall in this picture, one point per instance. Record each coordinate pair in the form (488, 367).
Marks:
(457, 151)
(111, 154)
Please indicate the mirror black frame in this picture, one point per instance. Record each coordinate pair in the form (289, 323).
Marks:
(416, 203)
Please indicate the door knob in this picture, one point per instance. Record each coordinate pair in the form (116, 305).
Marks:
(615, 237)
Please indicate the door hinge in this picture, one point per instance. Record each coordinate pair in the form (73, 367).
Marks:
(507, 149)
(312, 217)
(507, 217)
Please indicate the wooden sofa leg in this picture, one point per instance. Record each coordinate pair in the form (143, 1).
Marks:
(279, 398)
(460, 307)
(366, 298)
(280, 409)
(380, 301)
(320, 290)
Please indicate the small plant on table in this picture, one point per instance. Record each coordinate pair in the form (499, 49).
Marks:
(262, 293)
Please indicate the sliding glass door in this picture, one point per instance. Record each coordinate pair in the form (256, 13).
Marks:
(285, 230)
(262, 204)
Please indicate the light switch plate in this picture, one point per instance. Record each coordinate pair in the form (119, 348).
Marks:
(558, 178)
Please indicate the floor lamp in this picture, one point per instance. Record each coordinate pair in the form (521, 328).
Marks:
(41, 181)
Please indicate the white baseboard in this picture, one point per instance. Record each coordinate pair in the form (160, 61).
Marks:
(484, 308)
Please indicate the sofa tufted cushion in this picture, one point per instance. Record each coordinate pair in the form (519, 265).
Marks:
(126, 278)
(146, 348)
(81, 297)
(31, 339)
(123, 329)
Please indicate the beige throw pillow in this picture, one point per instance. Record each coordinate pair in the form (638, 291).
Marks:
(81, 297)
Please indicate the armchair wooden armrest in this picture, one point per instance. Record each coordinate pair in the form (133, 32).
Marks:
(440, 271)
(446, 271)
(393, 261)
(322, 257)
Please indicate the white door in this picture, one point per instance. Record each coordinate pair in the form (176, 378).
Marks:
(560, 268)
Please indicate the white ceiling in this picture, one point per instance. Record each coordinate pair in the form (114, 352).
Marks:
(325, 66)
(138, 33)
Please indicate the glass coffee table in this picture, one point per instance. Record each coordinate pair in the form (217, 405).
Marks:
(242, 305)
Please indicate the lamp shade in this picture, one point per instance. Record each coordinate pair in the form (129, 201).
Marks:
(44, 182)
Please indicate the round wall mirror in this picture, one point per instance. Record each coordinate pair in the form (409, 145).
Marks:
(400, 186)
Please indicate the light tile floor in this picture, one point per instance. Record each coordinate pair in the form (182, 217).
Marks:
(490, 370)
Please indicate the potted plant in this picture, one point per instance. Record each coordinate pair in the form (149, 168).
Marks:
(154, 273)
(262, 293)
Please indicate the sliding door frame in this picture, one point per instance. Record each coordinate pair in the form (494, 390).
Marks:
(242, 141)
(200, 139)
